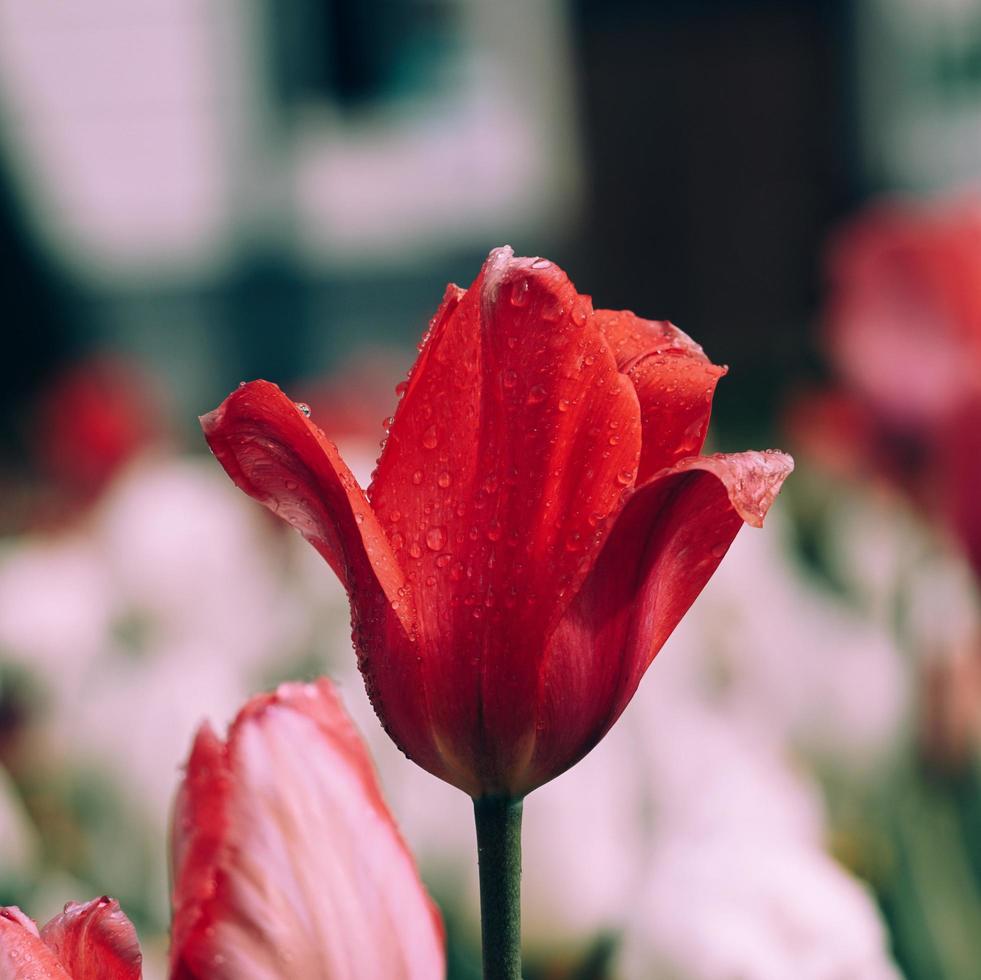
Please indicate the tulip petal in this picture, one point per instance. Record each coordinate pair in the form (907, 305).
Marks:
(278, 456)
(515, 439)
(666, 543)
(23, 955)
(674, 381)
(95, 941)
(287, 862)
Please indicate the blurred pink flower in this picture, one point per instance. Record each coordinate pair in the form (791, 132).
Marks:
(91, 941)
(286, 860)
(904, 332)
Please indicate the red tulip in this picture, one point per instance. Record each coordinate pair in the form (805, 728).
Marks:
(94, 941)
(286, 861)
(538, 523)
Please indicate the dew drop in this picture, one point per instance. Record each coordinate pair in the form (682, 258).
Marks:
(442, 561)
(563, 404)
(303, 408)
(536, 395)
(414, 550)
(395, 516)
(387, 422)
(359, 518)
(444, 480)
(519, 293)
(494, 531)
(431, 581)
(241, 384)
(435, 538)
(401, 388)
(624, 477)
(540, 264)
(417, 477)
(429, 438)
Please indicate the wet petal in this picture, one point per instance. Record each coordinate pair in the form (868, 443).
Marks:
(515, 439)
(95, 941)
(674, 381)
(662, 550)
(287, 862)
(23, 956)
(281, 458)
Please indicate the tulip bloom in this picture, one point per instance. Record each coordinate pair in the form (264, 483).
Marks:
(286, 860)
(538, 523)
(287, 864)
(93, 940)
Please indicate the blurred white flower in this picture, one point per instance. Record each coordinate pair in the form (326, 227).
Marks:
(745, 908)
(764, 643)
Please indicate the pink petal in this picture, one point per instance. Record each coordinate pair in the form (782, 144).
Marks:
(287, 862)
(23, 956)
(95, 941)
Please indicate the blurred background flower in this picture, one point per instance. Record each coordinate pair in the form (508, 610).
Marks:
(192, 195)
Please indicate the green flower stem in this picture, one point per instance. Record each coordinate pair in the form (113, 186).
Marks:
(499, 857)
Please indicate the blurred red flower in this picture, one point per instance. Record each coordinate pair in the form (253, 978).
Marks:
(904, 331)
(538, 523)
(91, 940)
(92, 419)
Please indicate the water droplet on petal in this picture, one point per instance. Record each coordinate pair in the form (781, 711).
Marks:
(536, 395)
(540, 264)
(494, 531)
(303, 408)
(563, 404)
(624, 477)
(519, 292)
(442, 561)
(429, 438)
(241, 384)
(417, 477)
(435, 538)
(414, 550)
(359, 518)
(444, 480)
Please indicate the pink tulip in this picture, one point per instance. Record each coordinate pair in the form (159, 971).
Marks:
(287, 865)
(287, 862)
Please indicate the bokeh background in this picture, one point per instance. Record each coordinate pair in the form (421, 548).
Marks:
(198, 192)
